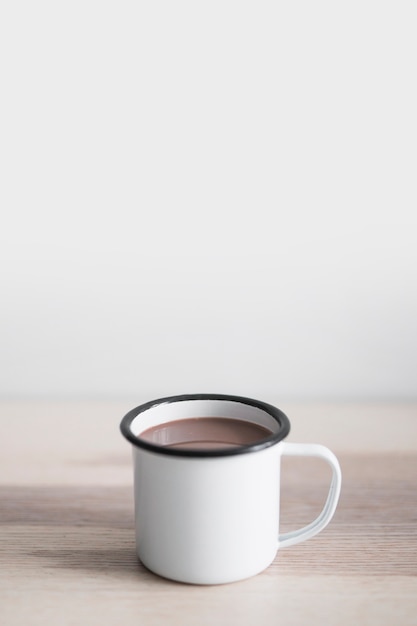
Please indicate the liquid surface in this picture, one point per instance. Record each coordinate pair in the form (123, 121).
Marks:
(205, 433)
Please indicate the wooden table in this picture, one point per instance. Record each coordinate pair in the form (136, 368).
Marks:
(66, 521)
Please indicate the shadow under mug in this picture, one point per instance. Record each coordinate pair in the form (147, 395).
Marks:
(212, 516)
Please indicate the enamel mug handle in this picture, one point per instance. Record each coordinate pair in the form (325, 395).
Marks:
(316, 450)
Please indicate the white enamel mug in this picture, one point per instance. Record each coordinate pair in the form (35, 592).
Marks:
(212, 516)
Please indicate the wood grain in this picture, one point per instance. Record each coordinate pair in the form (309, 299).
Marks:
(67, 552)
(374, 531)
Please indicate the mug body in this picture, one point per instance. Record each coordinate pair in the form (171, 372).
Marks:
(209, 516)
(207, 520)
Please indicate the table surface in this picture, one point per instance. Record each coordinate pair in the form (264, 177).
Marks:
(67, 550)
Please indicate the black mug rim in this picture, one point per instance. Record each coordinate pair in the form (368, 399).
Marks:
(274, 438)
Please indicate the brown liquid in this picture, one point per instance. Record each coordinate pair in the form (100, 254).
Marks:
(205, 433)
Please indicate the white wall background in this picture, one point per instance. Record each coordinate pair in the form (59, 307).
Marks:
(208, 196)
